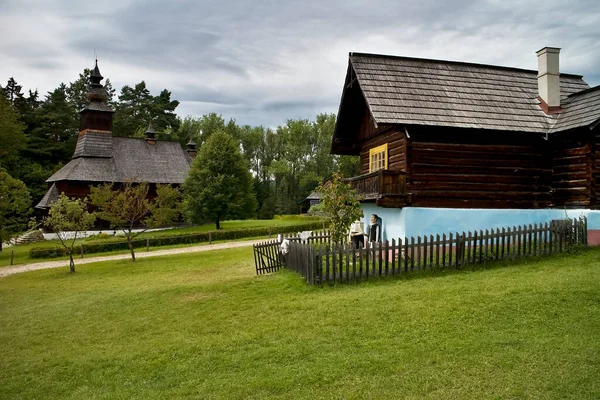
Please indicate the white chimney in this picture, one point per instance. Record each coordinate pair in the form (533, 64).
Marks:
(548, 78)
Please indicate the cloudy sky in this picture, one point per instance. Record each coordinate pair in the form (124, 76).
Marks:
(263, 62)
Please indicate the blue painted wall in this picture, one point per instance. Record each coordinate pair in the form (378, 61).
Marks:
(419, 221)
(391, 220)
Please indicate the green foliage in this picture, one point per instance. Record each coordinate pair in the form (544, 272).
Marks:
(317, 209)
(11, 131)
(14, 206)
(69, 215)
(127, 207)
(219, 185)
(137, 108)
(341, 206)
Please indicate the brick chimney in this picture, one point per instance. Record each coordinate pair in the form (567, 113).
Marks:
(549, 79)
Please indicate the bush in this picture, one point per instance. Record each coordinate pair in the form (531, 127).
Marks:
(101, 236)
(317, 210)
(295, 217)
(102, 247)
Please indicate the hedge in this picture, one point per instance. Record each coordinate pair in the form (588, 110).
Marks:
(101, 247)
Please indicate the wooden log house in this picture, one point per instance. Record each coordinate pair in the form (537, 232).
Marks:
(437, 134)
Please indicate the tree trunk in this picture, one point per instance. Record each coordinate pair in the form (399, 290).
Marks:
(131, 249)
(71, 262)
(1, 240)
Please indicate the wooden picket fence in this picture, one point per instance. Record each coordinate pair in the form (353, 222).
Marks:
(320, 262)
(267, 257)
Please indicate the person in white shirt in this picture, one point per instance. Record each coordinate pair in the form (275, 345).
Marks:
(357, 235)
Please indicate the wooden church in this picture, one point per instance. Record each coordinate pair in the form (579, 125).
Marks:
(100, 157)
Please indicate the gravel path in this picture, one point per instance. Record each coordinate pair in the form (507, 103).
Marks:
(6, 271)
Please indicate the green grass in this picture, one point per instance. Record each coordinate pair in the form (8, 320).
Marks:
(21, 252)
(203, 326)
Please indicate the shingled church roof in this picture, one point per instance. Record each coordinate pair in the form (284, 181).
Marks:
(50, 197)
(99, 157)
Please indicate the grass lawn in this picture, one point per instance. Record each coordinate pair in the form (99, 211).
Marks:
(203, 326)
(21, 252)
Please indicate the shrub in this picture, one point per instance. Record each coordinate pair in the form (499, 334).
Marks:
(105, 246)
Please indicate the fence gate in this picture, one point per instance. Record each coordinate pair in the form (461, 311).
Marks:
(267, 257)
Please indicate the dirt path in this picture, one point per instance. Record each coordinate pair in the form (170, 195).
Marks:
(6, 271)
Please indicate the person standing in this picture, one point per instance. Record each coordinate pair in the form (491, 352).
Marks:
(357, 236)
(374, 229)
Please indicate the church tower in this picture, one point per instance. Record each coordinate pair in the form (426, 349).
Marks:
(96, 115)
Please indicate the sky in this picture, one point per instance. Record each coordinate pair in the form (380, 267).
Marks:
(264, 62)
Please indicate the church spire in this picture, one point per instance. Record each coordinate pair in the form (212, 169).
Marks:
(96, 76)
(96, 115)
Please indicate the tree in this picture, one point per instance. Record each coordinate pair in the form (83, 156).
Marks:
(128, 207)
(14, 206)
(69, 215)
(11, 131)
(341, 205)
(219, 183)
(54, 138)
(137, 108)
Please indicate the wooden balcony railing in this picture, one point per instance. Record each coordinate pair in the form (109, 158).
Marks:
(378, 184)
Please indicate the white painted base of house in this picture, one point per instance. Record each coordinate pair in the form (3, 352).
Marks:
(420, 221)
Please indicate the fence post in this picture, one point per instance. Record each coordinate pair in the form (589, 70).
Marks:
(12, 257)
(82, 250)
(147, 244)
(460, 249)
(209, 237)
(269, 232)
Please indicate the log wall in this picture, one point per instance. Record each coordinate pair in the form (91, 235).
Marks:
(571, 171)
(484, 169)
(595, 168)
(396, 150)
(479, 170)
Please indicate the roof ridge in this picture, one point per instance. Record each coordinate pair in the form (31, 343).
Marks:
(584, 91)
(431, 60)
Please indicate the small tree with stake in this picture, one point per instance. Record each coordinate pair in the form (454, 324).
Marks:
(69, 215)
(341, 205)
(128, 207)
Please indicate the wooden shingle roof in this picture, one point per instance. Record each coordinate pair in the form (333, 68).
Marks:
(49, 198)
(412, 91)
(99, 157)
(580, 109)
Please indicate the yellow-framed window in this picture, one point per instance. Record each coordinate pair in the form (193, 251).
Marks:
(378, 158)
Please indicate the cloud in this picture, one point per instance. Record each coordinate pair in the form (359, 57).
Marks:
(264, 62)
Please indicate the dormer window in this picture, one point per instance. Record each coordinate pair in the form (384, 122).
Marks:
(378, 158)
